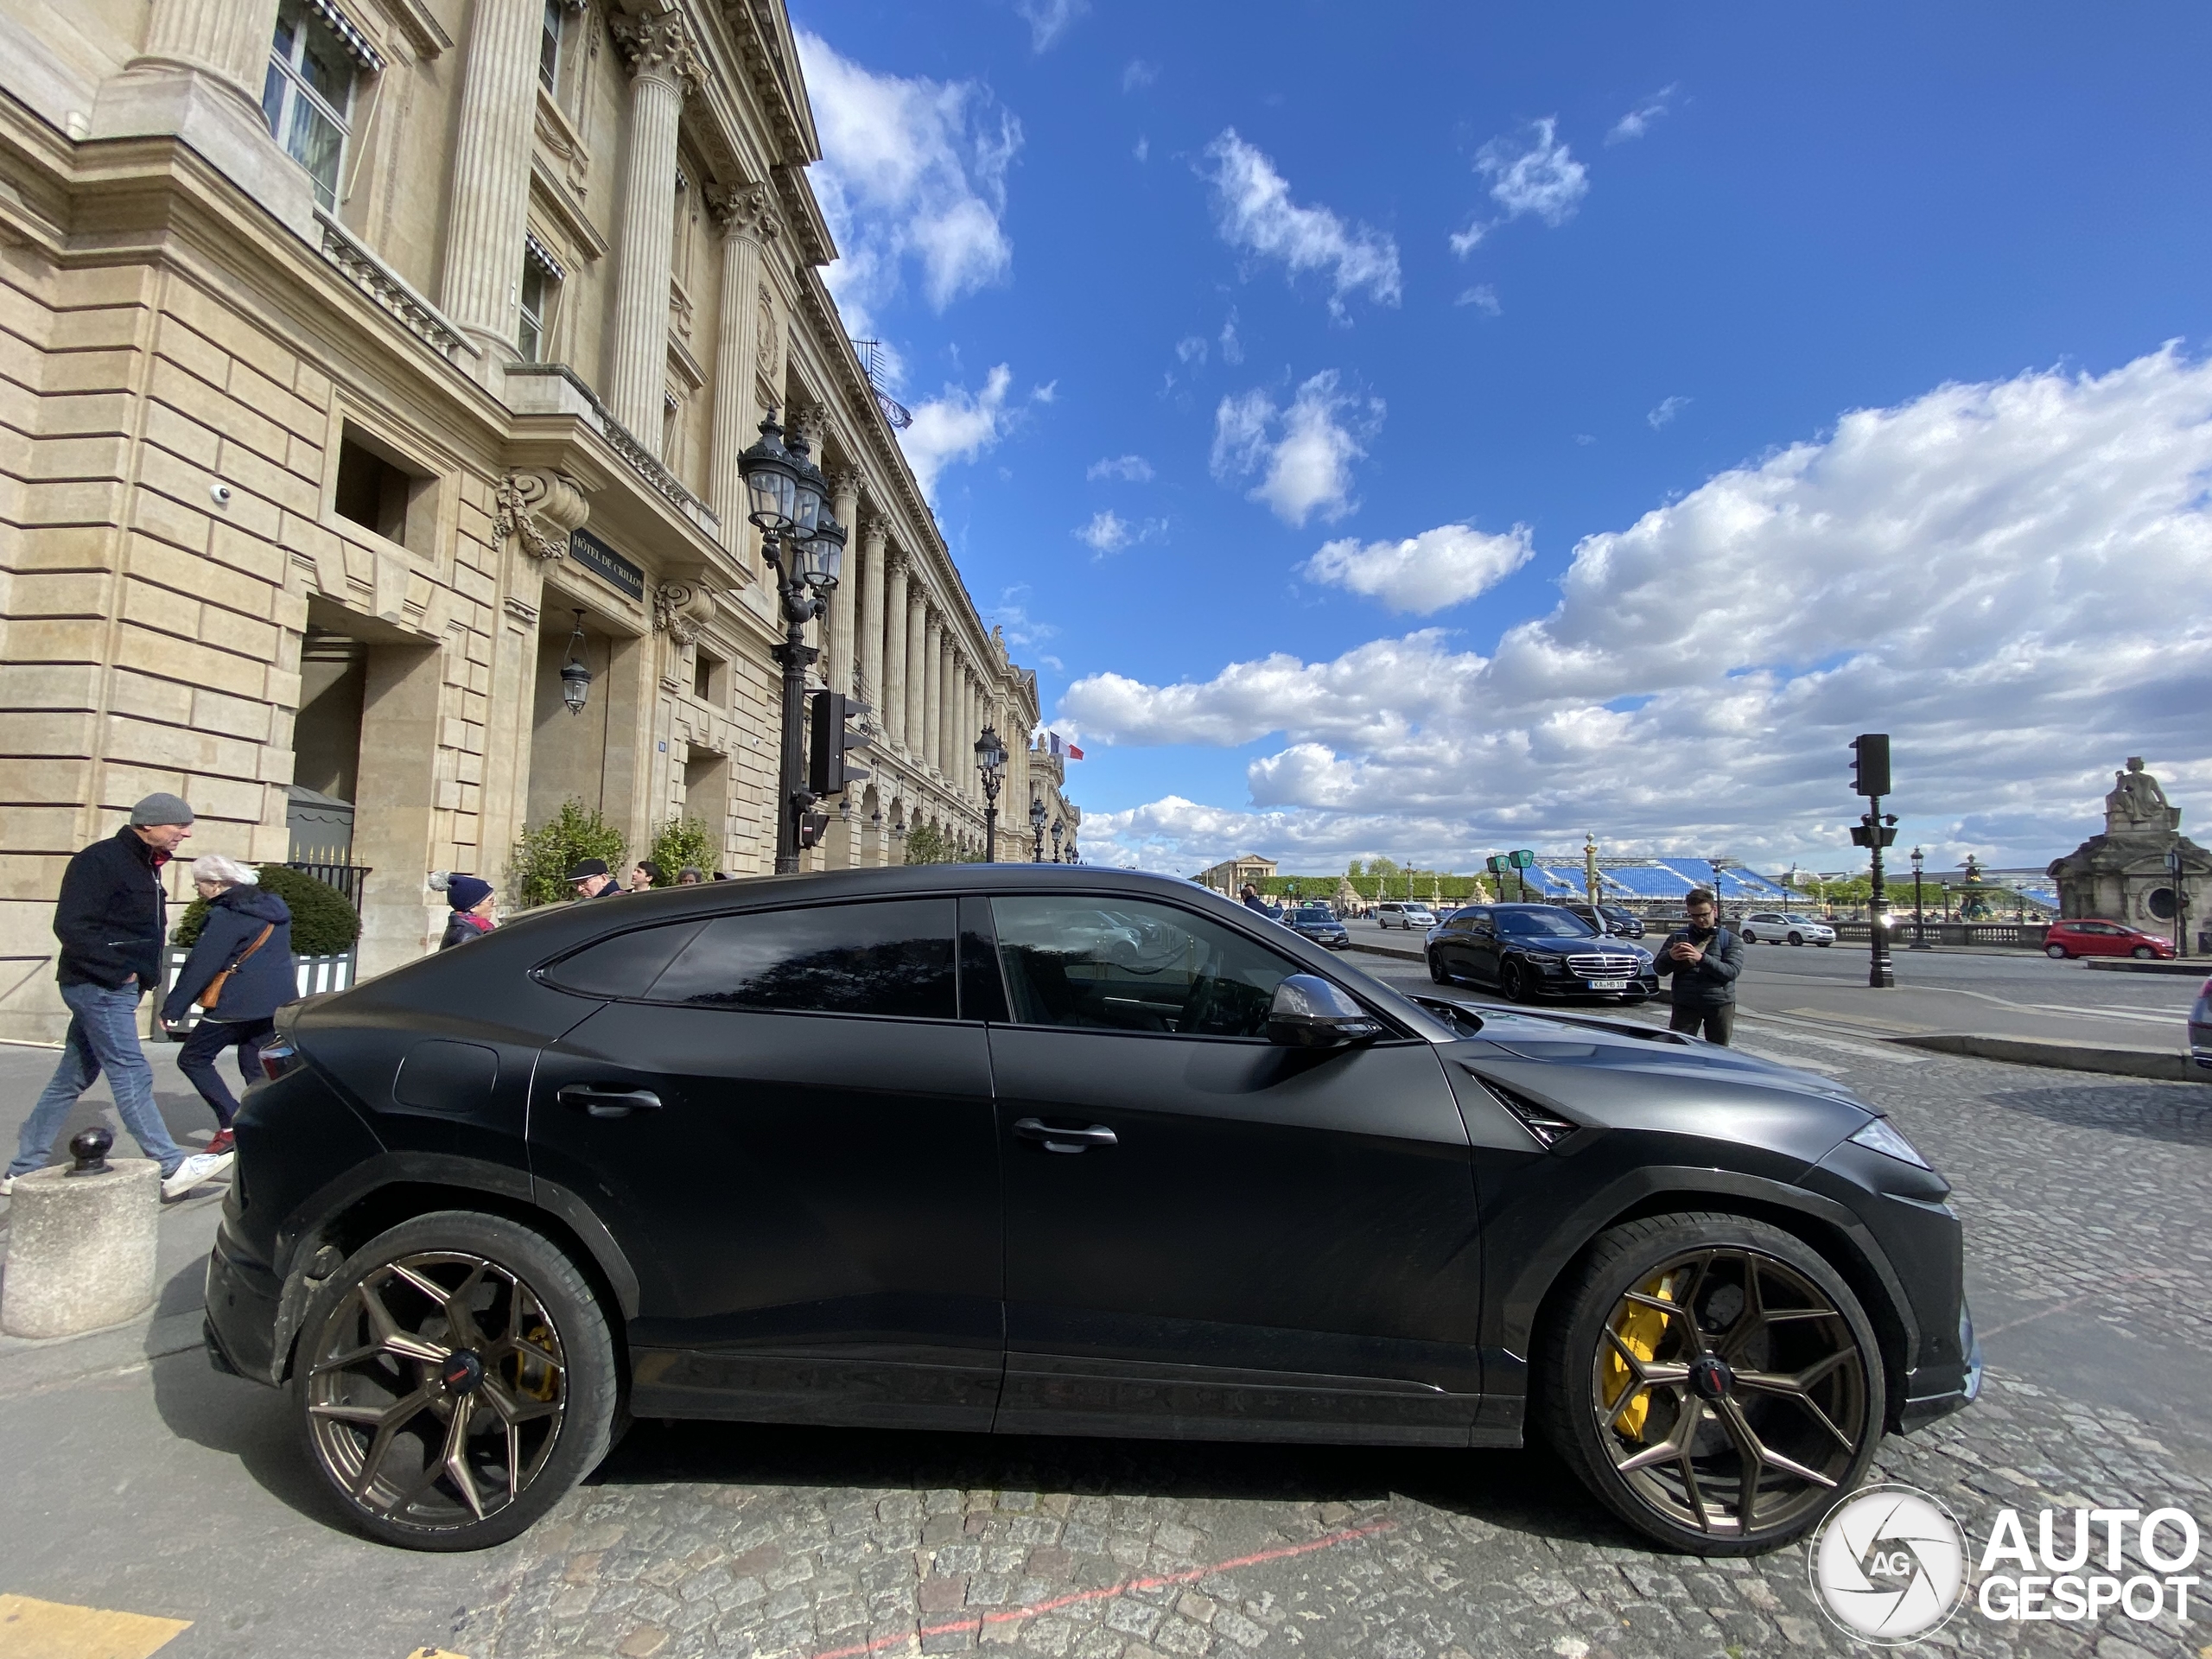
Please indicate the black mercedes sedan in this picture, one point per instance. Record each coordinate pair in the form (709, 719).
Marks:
(1528, 951)
(1046, 1149)
(1320, 924)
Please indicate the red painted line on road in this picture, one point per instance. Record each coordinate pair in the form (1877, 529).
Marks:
(1004, 1616)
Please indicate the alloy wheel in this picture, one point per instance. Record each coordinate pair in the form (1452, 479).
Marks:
(1730, 1394)
(437, 1389)
(1513, 983)
(2056, 952)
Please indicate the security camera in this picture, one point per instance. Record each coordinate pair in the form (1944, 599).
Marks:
(221, 493)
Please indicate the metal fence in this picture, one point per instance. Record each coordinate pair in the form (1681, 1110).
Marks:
(2021, 935)
(349, 878)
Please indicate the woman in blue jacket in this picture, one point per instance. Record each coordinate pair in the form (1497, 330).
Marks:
(263, 979)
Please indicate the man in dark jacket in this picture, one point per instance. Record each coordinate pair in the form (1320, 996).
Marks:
(470, 896)
(590, 880)
(247, 937)
(112, 920)
(1704, 959)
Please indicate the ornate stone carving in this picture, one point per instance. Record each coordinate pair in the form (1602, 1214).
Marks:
(541, 509)
(771, 356)
(523, 613)
(746, 210)
(388, 288)
(681, 609)
(2138, 803)
(659, 45)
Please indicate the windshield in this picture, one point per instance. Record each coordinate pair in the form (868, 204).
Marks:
(1316, 913)
(1544, 925)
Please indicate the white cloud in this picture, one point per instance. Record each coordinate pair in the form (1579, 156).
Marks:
(1668, 408)
(1482, 297)
(1638, 121)
(1192, 349)
(1232, 349)
(2012, 578)
(1425, 573)
(912, 170)
(1138, 73)
(1109, 532)
(1049, 19)
(1304, 453)
(1130, 469)
(957, 426)
(1143, 151)
(1534, 174)
(1011, 615)
(1255, 212)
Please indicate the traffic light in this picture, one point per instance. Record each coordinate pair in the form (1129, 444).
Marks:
(1869, 764)
(812, 827)
(826, 771)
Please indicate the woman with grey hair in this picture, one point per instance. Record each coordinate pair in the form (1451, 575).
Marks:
(246, 943)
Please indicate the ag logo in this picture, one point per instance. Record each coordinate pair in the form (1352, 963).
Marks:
(1889, 1564)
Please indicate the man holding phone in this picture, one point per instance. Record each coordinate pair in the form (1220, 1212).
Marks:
(1704, 960)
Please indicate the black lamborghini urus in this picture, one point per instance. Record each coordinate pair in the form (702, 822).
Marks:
(1047, 1150)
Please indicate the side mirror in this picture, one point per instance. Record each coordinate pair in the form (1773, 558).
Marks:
(1308, 1012)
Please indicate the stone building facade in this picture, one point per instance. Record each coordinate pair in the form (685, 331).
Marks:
(363, 361)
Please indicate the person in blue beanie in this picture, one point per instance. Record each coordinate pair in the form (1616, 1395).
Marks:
(471, 899)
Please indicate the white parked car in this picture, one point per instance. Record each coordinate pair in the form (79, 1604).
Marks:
(1409, 917)
(1776, 925)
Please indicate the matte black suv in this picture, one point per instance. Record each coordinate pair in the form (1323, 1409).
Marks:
(1049, 1149)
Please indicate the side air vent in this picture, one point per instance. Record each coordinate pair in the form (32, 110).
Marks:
(1543, 1121)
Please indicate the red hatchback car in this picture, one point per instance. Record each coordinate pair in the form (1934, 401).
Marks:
(2094, 939)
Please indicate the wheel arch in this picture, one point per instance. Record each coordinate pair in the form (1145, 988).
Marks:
(1824, 1226)
(387, 1198)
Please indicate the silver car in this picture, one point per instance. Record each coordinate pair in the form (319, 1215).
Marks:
(1776, 925)
(1407, 916)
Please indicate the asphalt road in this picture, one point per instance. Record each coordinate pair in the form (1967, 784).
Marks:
(136, 1479)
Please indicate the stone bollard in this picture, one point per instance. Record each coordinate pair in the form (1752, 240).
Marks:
(81, 1249)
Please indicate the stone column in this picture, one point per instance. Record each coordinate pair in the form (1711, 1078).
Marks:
(490, 189)
(746, 226)
(933, 695)
(869, 669)
(847, 509)
(948, 710)
(963, 741)
(891, 705)
(662, 72)
(917, 671)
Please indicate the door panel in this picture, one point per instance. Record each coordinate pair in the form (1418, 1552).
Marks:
(1278, 1243)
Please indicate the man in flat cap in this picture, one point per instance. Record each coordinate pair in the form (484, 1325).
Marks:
(112, 920)
(591, 879)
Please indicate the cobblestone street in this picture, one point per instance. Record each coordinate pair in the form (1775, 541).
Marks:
(2084, 1198)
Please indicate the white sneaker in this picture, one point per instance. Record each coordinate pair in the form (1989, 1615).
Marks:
(7, 1185)
(199, 1167)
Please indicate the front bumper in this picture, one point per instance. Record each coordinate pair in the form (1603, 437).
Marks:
(245, 1301)
(1949, 1388)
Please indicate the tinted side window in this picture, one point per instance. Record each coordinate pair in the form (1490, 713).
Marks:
(894, 957)
(1126, 965)
(625, 965)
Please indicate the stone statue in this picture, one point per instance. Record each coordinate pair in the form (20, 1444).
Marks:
(2137, 803)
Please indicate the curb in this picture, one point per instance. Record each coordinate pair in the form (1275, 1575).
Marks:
(2191, 967)
(1401, 952)
(2167, 1066)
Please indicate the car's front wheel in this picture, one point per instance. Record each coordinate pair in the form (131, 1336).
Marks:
(1436, 970)
(455, 1378)
(1712, 1380)
(1796, 938)
(1513, 983)
(1749, 938)
(2056, 952)
(2142, 953)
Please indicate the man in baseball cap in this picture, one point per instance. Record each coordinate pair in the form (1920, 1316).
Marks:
(112, 920)
(590, 880)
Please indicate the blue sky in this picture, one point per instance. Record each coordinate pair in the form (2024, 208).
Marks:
(1431, 430)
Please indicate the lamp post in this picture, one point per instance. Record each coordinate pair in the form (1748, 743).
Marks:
(1037, 827)
(1919, 917)
(1057, 825)
(990, 761)
(803, 546)
(575, 678)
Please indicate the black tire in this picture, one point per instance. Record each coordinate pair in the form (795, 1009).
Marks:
(369, 1413)
(1823, 944)
(1574, 1352)
(2142, 953)
(2056, 952)
(1749, 938)
(1436, 971)
(1513, 983)
(1796, 938)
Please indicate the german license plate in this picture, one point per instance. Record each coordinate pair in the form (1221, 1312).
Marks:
(1609, 984)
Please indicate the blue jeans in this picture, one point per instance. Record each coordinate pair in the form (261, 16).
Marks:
(103, 1035)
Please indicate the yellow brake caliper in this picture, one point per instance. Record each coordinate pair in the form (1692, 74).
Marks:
(1639, 1329)
(533, 1377)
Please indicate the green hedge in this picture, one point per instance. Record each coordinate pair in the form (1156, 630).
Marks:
(323, 923)
(537, 872)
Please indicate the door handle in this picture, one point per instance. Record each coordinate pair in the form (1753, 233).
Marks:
(1030, 1128)
(609, 1103)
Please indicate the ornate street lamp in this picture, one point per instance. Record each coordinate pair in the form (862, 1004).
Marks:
(1037, 827)
(576, 678)
(1057, 825)
(1919, 917)
(990, 762)
(804, 547)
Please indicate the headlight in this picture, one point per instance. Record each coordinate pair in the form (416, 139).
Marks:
(1879, 1136)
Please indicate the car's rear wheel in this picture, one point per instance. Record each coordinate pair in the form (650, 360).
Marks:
(455, 1378)
(1712, 1380)
(2142, 953)
(1513, 983)
(2056, 952)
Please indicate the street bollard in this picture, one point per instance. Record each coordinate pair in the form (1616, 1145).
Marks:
(81, 1243)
